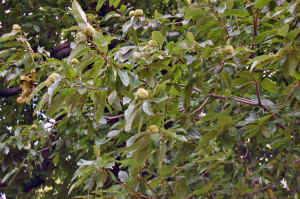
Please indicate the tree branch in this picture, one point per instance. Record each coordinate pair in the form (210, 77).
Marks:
(219, 19)
(9, 92)
(295, 162)
(261, 189)
(3, 62)
(144, 181)
(195, 111)
(255, 19)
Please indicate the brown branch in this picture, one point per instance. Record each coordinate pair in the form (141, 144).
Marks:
(257, 92)
(295, 162)
(3, 62)
(219, 19)
(101, 54)
(9, 92)
(268, 186)
(239, 99)
(113, 117)
(255, 19)
(281, 126)
(98, 26)
(261, 189)
(144, 181)
(258, 97)
(198, 109)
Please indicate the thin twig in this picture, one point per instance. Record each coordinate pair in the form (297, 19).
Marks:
(198, 109)
(100, 53)
(261, 189)
(255, 19)
(219, 19)
(113, 117)
(239, 99)
(144, 181)
(46, 148)
(98, 26)
(258, 96)
(257, 92)
(295, 162)
(3, 62)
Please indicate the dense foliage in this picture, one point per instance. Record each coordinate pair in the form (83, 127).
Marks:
(186, 99)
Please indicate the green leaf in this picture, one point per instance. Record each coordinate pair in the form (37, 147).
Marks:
(82, 89)
(56, 103)
(291, 63)
(9, 174)
(147, 108)
(182, 138)
(236, 12)
(80, 49)
(36, 90)
(130, 114)
(266, 132)
(165, 170)
(42, 102)
(56, 159)
(122, 176)
(269, 85)
(261, 3)
(162, 153)
(283, 31)
(257, 60)
(292, 35)
(79, 14)
(112, 97)
(114, 3)
(181, 189)
(260, 38)
(219, 156)
(195, 12)
(203, 190)
(99, 5)
(224, 121)
(99, 104)
(124, 77)
(69, 69)
(114, 133)
(227, 79)
(162, 96)
(158, 37)
(53, 86)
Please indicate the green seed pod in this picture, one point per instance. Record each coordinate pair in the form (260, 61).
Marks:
(34, 127)
(153, 129)
(142, 94)
(229, 49)
(131, 13)
(139, 12)
(16, 27)
(81, 37)
(90, 31)
(74, 61)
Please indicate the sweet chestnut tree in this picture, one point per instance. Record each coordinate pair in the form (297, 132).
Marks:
(186, 99)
